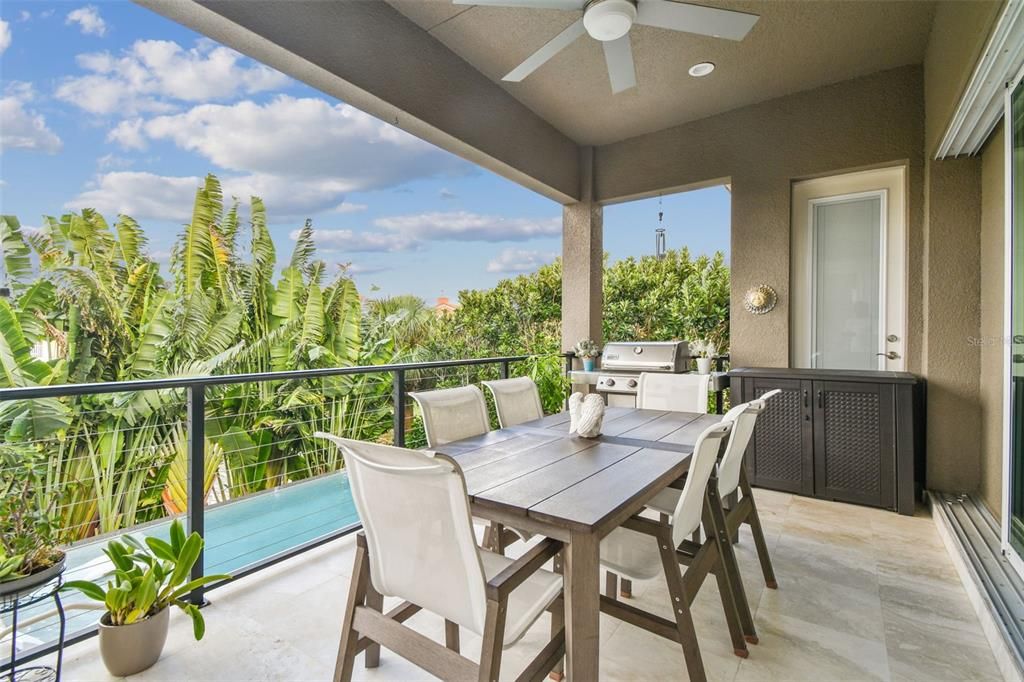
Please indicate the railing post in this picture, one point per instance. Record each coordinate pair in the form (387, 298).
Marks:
(398, 394)
(568, 371)
(504, 369)
(719, 366)
(196, 490)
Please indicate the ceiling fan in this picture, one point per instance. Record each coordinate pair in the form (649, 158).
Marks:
(610, 21)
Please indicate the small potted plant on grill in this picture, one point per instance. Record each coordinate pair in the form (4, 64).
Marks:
(587, 351)
(29, 523)
(146, 581)
(704, 351)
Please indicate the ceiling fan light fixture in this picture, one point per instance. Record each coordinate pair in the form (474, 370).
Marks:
(702, 69)
(609, 19)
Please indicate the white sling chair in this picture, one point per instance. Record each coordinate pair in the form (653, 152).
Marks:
(451, 414)
(418, 545)
(631, 551)
(674, 392)
(516, 400)
(733, 476)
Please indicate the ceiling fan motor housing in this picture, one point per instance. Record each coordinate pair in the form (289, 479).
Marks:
(609, 19)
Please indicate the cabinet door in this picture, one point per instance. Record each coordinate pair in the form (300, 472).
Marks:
(780, 453)
(854, 442)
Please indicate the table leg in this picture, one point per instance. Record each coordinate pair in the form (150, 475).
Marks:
(582, 607)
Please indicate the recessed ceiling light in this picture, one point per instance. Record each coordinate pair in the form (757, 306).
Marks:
(702, 69)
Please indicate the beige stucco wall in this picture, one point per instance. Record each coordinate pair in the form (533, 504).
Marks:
(951, 363)
(991, 378)
(873, 121)
(952, 267)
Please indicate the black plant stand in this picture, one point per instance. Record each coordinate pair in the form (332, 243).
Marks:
(12, 604)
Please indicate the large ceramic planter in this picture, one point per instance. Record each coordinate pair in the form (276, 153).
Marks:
(20, 586)
(129, 649)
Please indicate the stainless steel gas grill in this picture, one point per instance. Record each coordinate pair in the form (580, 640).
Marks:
(622, 364)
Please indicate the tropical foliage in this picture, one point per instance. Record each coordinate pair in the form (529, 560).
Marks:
(95, 300)
(677, 297)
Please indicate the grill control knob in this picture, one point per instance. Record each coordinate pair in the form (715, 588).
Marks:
(631, 383)
(609, 382)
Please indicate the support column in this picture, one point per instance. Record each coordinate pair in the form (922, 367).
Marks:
(582, 260)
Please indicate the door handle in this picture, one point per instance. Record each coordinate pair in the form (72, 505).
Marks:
(821, 399)
(805, 397)
(891, 355)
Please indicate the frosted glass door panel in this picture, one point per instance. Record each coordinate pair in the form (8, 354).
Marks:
(846, 245)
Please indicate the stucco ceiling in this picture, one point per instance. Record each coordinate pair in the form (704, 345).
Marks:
(796, 45)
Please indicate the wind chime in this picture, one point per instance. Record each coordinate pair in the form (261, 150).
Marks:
(659, 234)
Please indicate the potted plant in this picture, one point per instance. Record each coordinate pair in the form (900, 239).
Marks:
(29, 523)
(587, 350)
(146, 581)
(704, 351)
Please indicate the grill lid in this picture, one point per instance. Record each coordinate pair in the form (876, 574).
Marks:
(646, 356)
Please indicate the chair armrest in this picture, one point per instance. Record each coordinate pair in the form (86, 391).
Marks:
(499, 587)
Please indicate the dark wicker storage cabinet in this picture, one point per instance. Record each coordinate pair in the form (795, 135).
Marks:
(851, 436)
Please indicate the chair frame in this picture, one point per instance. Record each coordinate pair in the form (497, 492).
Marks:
(745, 511)
(713, 556)
(737, 513)
(366, 629)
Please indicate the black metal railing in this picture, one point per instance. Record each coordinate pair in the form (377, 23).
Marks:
(200, 391)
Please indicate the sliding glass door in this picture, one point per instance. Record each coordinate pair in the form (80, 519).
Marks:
(1014, 528)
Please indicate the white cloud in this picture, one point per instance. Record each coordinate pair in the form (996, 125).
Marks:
(519, 260)
(347, 207)
(24, 128)
(363, 269)
(305, 137)
(152, 75)
(128, 134)
(349, 241)
(301, 155)
(108, 161)
(24, 15)
(446, 193)
(89, 20)
(5, 35)
(412, 232)
(140, 195)
(148, 195)
(465, 226)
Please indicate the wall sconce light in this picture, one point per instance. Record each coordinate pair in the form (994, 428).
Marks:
(760, 300)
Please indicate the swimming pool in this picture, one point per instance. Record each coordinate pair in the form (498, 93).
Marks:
(238, 534)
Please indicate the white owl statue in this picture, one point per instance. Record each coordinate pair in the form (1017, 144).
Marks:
(586, 415)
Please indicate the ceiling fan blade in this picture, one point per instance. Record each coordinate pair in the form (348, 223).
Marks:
(618, 54)
(708, 21)
(536, 4)
(550, 49)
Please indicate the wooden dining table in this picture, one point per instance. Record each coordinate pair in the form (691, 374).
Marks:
(537, 477)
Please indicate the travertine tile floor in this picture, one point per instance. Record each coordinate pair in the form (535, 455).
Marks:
(863, 594)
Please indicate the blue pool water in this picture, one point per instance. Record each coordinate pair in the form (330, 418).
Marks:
(238, 534)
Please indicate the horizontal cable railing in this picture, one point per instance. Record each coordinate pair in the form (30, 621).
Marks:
(235, 455)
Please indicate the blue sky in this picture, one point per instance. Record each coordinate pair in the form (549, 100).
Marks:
(110, 106)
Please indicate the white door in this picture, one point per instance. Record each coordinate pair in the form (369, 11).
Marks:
(849, 271)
